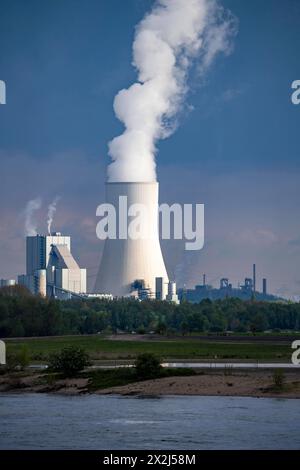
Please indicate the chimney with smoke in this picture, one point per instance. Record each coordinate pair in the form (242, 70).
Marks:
(167, 42)
(51, 212)
(30, 224)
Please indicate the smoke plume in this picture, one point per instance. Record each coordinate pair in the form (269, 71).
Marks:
(51, 212)
(30, 223)
(166, 44)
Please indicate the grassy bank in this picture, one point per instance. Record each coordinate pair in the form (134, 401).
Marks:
(100, 348)
(101, 379)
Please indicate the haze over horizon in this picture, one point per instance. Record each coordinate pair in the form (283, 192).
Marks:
(236, 149)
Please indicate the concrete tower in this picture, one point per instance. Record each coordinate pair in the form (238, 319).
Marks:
(125, 259)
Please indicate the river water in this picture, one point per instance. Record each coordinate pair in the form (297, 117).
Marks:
(40, 421)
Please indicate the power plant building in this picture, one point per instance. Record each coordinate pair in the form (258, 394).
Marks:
(50, 267)
(63, 272)
(161, 288)
(38, 250)
(172, 294)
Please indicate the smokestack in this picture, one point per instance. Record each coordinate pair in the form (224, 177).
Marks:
(265, 286)
(126, 260)
(254, 278)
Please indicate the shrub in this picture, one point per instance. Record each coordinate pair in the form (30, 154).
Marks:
(141, 330)
(147, 366)
(69, 361)
(18, 361)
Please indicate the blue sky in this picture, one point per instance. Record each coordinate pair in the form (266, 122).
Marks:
(236, 149)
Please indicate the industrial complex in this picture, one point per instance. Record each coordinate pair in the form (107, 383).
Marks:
(52, 271)
(126, 270)
(130, 267)
(244, 291)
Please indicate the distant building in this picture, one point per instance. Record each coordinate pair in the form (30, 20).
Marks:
(145, 293)
(98, 296)
(172, 293)
(139, 290)
(248, 286)
(243, 292)
(50, 267)
(63, 272)
(161, 288)
(38, 249)
(7, 282)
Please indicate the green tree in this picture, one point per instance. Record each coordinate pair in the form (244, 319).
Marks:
(161, 327)
(184, 327)
(258, 323)
(69, 361)
(147, 366)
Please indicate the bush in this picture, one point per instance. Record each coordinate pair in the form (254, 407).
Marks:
(18, 361)
(141, 330)
(147, 366)
(278, 378)
(69, 361)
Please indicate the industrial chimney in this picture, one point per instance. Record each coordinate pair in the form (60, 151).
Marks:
(125, 261)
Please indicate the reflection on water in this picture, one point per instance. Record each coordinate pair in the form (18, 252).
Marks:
(112, 422)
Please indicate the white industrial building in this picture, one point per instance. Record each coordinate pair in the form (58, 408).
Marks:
(63, 271)
(50, 267)
(172, 294)
(38, 250)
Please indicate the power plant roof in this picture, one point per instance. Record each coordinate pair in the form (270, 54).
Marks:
(65, 259)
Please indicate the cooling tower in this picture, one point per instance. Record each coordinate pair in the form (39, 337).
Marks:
(127, 260)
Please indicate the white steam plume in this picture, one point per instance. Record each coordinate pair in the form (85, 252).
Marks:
(30, 224)
(166, 42)
(51, 212)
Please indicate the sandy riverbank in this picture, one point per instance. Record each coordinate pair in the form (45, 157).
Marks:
(254, 384)
(216, 383)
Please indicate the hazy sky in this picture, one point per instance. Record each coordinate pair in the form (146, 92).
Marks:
(236, 150)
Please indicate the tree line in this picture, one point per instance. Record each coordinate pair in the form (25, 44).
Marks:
(23, 314)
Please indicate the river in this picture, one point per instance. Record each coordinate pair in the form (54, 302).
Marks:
(40, 421)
